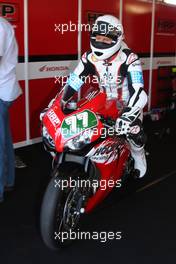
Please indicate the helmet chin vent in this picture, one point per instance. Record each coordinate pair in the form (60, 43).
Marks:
(98, 53)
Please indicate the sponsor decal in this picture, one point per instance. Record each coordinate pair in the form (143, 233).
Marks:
(77, 123)
(92, 16)
(136, 77)
(136, 64)
(46, 68)
(135, 130)
(162, 2)
(53, 118)
(132, 57)
(166, 62)
(166, 26)
(91, 95)
(107, 152)
(93, 58)
(74, 81)
(9, 11)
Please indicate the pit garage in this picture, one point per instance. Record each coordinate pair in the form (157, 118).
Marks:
(134, 223)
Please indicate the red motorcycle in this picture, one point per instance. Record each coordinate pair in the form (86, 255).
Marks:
(90, 159)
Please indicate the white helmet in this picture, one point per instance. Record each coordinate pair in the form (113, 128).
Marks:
(107, 26)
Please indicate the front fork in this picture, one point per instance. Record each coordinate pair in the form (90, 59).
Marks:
(91, 173)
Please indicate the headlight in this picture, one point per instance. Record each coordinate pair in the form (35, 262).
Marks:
(47, 138)
(80, 141)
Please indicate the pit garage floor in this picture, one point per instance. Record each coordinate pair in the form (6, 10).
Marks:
(146, 215)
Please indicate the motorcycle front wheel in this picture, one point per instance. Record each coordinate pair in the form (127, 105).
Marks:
(60, 212)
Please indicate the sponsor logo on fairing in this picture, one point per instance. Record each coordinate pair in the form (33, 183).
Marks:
(53, 118)
(107, 152)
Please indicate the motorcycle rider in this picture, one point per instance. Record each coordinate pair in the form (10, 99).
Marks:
(119, 72)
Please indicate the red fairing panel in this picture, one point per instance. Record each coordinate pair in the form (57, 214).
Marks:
(97, 104)
(110, 169)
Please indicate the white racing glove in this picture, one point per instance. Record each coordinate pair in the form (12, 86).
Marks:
(122, 127)
(123, 123)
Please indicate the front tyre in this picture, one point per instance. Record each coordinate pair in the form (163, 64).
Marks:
(60, 213)
(50, 207)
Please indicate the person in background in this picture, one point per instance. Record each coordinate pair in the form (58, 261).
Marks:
(9, 91)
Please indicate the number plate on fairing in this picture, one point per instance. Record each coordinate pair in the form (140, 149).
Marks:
(77, 123)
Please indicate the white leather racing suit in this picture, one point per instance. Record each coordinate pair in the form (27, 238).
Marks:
(122, 78)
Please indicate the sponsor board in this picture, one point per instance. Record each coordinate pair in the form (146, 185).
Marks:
(42, 70)
(49, 69)
(9, 11)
